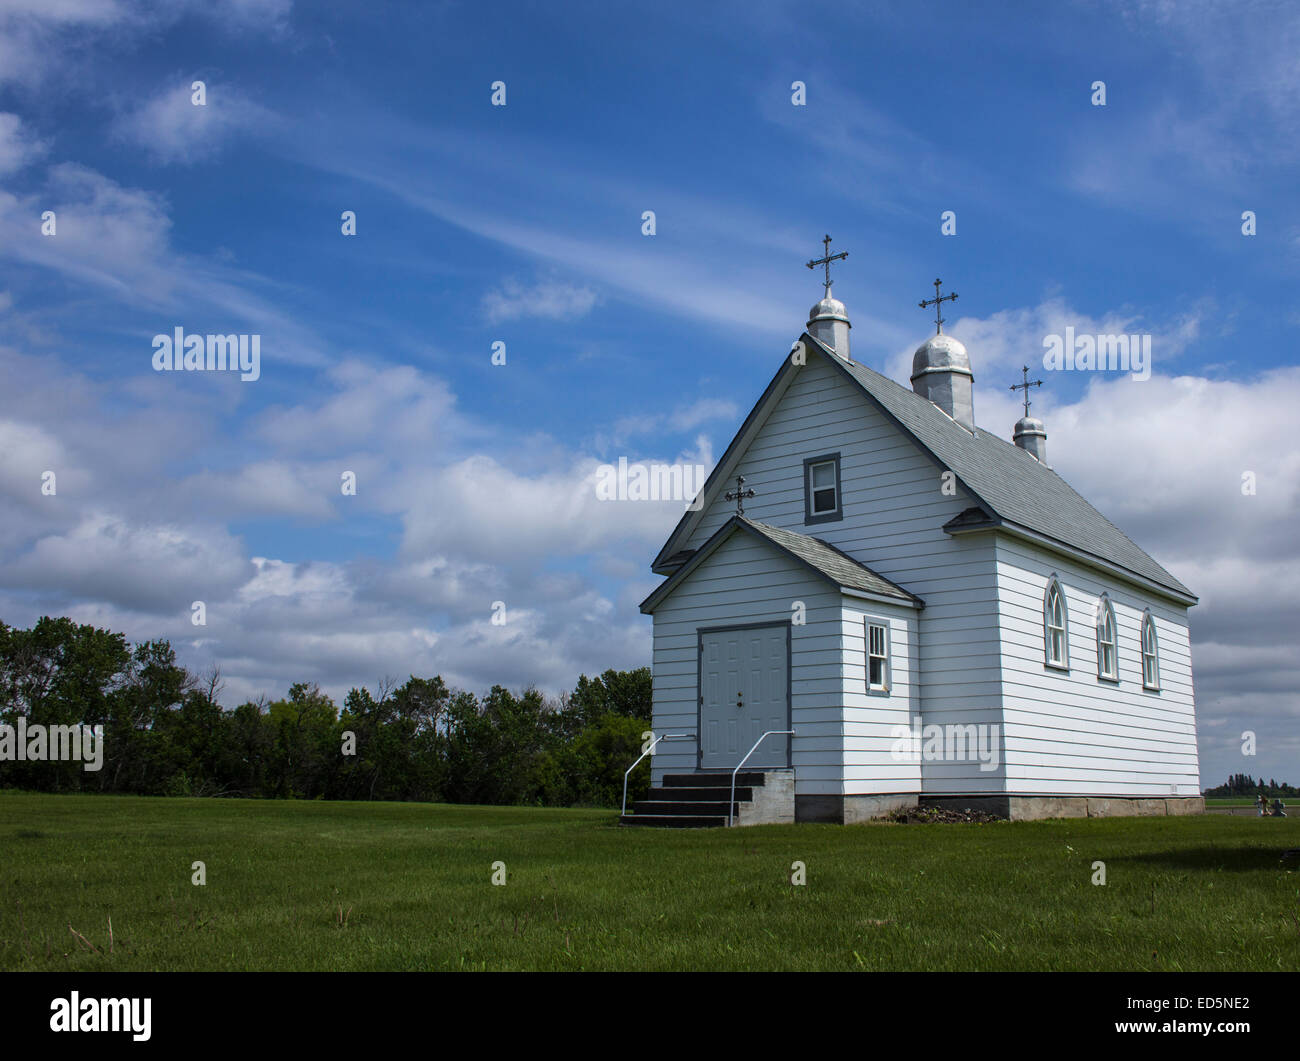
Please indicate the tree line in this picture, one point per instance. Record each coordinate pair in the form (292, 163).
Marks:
(165, 731)
(1245, 785)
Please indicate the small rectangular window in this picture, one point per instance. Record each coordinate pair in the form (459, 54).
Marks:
(1107, 660)
(821, 489)
(877, 657)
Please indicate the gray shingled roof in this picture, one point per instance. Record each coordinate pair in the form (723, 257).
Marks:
(836, 567)
(1011, 483)
(839, 567)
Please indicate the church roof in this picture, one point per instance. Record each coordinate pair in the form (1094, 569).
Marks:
(1013, 489)
(822, 558)
(1014, 486)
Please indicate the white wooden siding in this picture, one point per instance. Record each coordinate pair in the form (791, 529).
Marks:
(870, 717)
(1077, 734)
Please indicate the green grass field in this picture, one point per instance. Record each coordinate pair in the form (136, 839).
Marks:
(319, 886)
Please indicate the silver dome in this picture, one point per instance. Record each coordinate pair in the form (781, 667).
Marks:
(828, 309)
(940, 353)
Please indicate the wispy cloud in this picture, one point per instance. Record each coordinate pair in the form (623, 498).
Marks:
(17, 146)
(550, 299)
(172, 128)
(41, 39)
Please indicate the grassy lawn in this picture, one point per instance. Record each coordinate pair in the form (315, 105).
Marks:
(354, 886)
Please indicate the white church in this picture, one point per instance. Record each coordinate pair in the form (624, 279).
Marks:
(876, 604)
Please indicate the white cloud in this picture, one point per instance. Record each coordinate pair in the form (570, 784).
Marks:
(1000, 344)
(40, 39)
(483, 510)
(682, 418)
(155, 568)
(131, 547)
(173, 129)
(409, 409)
(17, 148)
(549, 299)
(1231, 116)
(118, 239)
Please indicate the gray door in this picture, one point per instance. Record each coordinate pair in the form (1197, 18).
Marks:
(744, 692)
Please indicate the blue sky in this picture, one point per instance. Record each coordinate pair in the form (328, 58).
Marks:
(522, 224)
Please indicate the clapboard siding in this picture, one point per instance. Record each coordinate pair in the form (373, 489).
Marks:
(748, 581)
(1073, 732)
(870, 718)
(894, 512)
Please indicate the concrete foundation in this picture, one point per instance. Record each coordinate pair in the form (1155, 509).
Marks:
(865, 808)
(773, 802)
(819, 809)
(1037, 808)
(849, 810)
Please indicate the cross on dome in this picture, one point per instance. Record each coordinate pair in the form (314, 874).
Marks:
(937, 303)
(826, 261)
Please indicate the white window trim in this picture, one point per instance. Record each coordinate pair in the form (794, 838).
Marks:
(1106, 610)
(887, 668)
(813, 489)
(1149, 622)
(1063, 663)
(829, 515)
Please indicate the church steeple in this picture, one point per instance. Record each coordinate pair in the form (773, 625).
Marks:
(827, 321)
(1030, 434)
(941, 368)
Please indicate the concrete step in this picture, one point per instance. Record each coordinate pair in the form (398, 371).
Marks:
(718, 780)
(743, 793)
(698, 800)
(674, 821)
(680, 807)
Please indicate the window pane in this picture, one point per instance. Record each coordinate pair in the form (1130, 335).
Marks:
(823, 474)
(824, 500)
(877, 671)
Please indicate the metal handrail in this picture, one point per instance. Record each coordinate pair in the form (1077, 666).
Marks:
(731, 804)
(650, 751)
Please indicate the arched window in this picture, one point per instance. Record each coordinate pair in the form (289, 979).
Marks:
(1107, 658)
(1150, 653)
(1055, 642)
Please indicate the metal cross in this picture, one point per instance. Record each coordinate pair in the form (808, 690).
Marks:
(1025, 387)
(826, 261)
(738, 495)
(937, 303)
